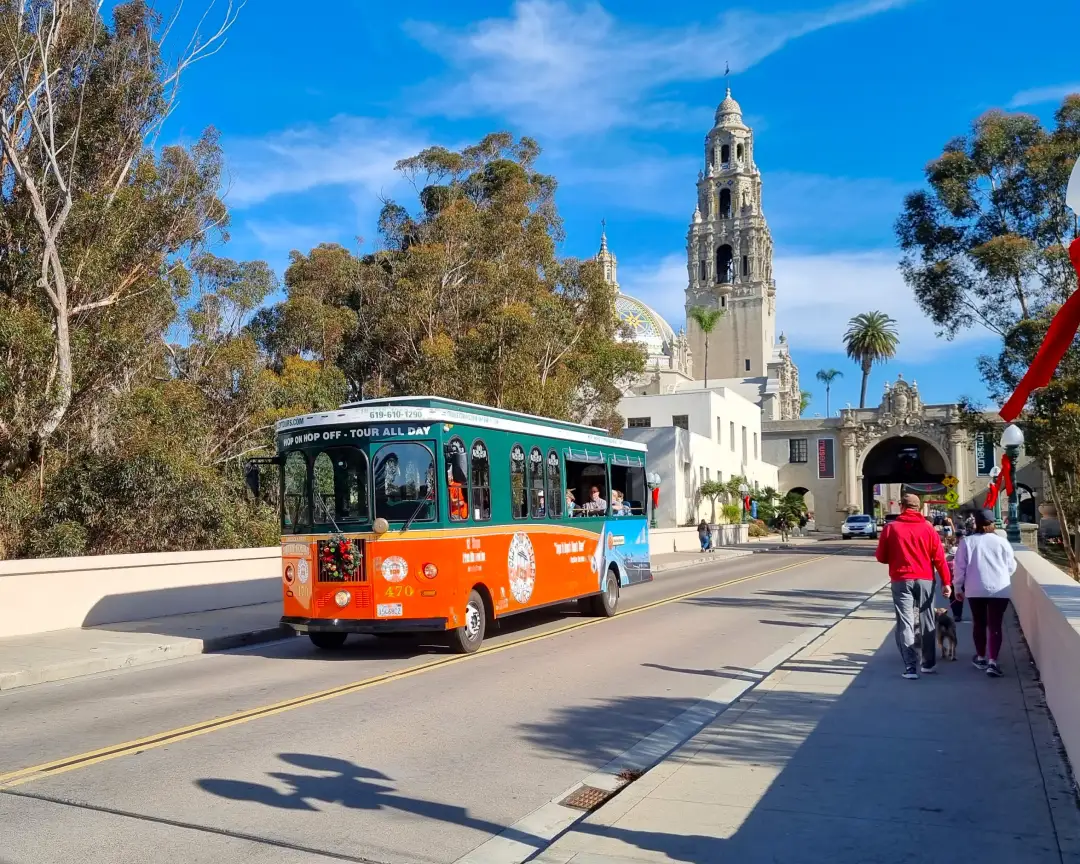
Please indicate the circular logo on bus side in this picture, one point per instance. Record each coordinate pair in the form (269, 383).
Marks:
(521, 566)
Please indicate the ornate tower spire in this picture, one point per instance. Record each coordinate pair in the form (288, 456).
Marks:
(607, 259)
(729, 251)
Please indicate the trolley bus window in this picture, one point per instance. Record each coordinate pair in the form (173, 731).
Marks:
(457, 476)
(481, 482)
(296, 508)
(536, 484)
(581, 478)
(341, 486)
(630, 480)
(555, 492)
(519, 506)
(404, 477)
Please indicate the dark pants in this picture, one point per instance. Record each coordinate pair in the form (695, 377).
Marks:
(913, 603)
(987, 613)
(957, 607)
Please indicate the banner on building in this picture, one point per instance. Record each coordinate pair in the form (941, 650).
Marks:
(984, 453)
(826, 459)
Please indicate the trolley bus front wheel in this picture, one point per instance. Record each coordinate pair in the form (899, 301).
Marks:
(606, 603)
(467, 639)
(328, 641)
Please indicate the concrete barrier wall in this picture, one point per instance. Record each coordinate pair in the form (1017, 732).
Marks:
(664, 540)
(1047, 602)
(44, 594)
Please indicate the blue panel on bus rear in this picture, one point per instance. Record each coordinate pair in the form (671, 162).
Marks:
(624, 543)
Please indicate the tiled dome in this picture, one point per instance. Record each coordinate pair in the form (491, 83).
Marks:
(648, 327)
(729, 110)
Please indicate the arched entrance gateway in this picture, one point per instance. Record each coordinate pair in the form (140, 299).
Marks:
(902, 441)
(898, 460)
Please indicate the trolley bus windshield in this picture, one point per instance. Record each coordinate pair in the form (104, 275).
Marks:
(347, 487)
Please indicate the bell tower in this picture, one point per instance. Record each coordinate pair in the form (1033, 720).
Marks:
(730, 254)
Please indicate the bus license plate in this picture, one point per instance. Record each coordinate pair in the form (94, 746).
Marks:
(389, 610)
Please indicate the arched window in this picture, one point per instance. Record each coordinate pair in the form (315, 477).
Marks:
(537, 504)
(724, 271)
(555, 491)
(725, 154)
(325, 511)
(745, 265)
(704, 269)
(739, 152)
(457, 479)
(480, 485)
(296, 509)
(725, 203)
(519, 504)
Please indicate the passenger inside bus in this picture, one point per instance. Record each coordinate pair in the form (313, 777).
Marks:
(618, 507)
(456, 476)
(596, 505)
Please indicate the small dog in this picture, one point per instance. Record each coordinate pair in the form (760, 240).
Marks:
(946, 634)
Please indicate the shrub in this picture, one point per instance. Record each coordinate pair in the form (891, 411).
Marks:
(732, 513)
(757, 529)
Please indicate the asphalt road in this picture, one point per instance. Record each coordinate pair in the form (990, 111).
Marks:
(389, 751)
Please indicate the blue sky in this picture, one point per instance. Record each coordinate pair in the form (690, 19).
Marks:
(848, 102)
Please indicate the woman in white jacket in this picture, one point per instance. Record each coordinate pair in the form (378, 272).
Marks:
(984, 566)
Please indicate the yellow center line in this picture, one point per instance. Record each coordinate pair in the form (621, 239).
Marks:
(138, 745)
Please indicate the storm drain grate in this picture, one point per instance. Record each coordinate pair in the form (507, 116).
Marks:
(587, 798)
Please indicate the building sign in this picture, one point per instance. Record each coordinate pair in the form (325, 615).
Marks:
(826, 459)
(984, 454)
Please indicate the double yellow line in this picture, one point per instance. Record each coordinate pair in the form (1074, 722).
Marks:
(138, 745)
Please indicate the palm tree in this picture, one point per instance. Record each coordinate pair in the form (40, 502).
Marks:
(871, 338)
(804, 401)
(826, 377)
(706, 320)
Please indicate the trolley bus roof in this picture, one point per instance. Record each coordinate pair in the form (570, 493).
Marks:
(431, 409)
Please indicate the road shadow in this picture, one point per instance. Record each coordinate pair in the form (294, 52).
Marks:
(734, 674)
(859, 766)
(338, 782)
(405, 646)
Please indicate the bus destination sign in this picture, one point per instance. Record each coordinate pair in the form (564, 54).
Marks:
(357, 432)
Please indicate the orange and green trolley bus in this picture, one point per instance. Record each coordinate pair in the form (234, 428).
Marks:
(406, 515)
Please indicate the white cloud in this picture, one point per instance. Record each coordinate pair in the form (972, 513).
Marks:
(818, 294)
(283, 235)
(352, 152)
(1039, 95)
(574, 69)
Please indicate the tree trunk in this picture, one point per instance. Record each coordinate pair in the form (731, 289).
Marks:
(828, 410)
(706, 361)
(865, 380)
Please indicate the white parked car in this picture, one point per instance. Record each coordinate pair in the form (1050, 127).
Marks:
(859, 526)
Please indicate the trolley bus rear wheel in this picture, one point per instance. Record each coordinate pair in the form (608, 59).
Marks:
(467, 639)
(328, 641)
(606, 603)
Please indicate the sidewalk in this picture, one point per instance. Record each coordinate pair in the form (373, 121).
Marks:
(62, 654)
(834, 758)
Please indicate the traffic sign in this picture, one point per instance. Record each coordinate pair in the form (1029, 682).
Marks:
(949, 482)
(951, 497)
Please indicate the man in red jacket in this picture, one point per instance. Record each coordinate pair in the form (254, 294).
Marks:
(912, 549)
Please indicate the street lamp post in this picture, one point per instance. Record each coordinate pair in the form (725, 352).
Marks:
(1012, 439)
(653, 481)
(995, 472)
(743, 489)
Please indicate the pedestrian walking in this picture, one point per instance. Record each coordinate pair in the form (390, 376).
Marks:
(911, 547)
(704, 536)
(984, 567)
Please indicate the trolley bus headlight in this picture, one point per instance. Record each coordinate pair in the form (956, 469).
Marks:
(288, 573)
(342, 598)
(431, 571)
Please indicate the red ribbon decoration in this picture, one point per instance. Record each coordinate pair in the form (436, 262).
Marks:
(1006, 474)
(991, 496)
(1058, 338)
(655, 497)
